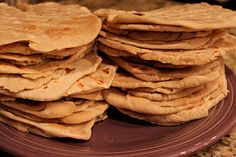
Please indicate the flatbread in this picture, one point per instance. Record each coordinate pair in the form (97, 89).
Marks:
(79, 52)
(190, 98)
(129, 82)
(49, 110)
(81, 105)
(165, 97)
(22, 59)
(56, 89)
(119, 100)
(141, 105)
(18, 48)
(117, 53)
(114, 30)
(19, 126)
(78, 131)
(182, 116)
(6, 98)
(56, 109)
(21, 48)
(155, 64)
(96, 96)
(193, 43)
(148, 73)
(48, 26)
(151, 27)
(29, 116)
(43, 68)
(176, 57)
(206, 17)
(166, 36)
(157, 90)
(152, 35)
(98, 108)
(101, 79)
(92, 112)
(17, 83)
(8, 68)
(113, 52)
(124, 54)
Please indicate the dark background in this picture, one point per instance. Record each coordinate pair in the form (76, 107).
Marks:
(225, 3)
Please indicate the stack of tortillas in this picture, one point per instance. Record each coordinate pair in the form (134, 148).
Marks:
(170, 65)
(51, 76)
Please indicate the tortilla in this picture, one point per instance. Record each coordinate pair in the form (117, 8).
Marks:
(92, 112)
(193, 43)
(151, 27)
(148, 73)
(152, 35)
(7, 68)
(113, 30)
(48, 26)
(128, 82)
(180, 117)
(96, 96)
(17, 83)
(56, 89)
(166, 36)
(6, 98)
(21, 59)
(101, 79)
(156, 64)
(176, 57)
(43, 68)
(21, 48)
(194, 97)
(78, 131)
(88, 114)
(141, 105)
(185, 115)
(56, 109)
(81, 105)
(201, 16)
(165, 97)
(157, 90)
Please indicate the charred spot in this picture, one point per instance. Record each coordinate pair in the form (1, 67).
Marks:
(138, 13)
(80, 84)
(106, 70)
(68, 70)
(66, 29)
(100, 82)
(45, 87)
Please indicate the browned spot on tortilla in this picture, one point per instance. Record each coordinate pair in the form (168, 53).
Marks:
(106, 70)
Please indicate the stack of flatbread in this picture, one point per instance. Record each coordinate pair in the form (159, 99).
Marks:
(50, 75)
(170, 65)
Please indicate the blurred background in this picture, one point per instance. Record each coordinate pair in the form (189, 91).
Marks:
(140, 5)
